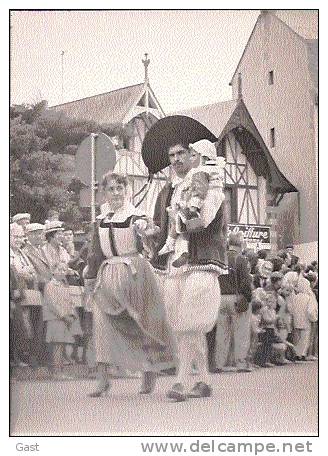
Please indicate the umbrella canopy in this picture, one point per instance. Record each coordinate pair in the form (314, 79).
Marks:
(168, 132)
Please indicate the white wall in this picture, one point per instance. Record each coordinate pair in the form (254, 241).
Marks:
(287, 106)
(307, 252)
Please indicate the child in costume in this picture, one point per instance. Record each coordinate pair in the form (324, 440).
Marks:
(201, 195)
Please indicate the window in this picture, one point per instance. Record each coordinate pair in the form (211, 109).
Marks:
(271, 77)
(272, 137)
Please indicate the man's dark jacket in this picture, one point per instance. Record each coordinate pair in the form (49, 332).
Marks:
(239, 279)
(205, 247)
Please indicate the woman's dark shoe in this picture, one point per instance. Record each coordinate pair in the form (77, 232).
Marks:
(148, 382)
(101, 391)
(176, 393)
(201, 389)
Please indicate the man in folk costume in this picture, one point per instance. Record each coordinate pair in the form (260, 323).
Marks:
(192, 292)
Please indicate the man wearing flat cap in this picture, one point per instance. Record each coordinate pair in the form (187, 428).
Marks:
(33, 251)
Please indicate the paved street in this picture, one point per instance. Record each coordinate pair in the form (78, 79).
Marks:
(279, 400)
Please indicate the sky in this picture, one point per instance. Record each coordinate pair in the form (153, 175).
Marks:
(193, 54)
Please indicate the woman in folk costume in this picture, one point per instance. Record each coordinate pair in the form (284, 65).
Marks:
(304, 310)
(130, 328)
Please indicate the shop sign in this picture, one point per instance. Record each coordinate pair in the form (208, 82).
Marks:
(256, 236)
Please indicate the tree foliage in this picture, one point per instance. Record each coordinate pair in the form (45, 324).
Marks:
(43, 143)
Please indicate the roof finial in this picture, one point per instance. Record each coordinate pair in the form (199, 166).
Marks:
(240, 87)
(146, 62)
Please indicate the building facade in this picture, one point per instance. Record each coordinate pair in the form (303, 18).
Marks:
(135, 108)
(279, 76)
(254, 186)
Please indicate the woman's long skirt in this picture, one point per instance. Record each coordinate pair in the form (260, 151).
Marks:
(129, 319)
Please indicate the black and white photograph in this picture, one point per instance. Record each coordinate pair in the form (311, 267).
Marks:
(164, 270)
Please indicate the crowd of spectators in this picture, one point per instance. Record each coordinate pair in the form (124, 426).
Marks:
(278, 324)
(275, 322)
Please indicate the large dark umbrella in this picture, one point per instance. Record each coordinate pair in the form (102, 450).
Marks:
(168, 132)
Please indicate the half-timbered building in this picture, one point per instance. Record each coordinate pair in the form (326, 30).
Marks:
(135, 108)
(254, 185)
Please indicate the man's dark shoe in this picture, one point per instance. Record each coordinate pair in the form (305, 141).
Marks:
(176, 393)
(201, 389)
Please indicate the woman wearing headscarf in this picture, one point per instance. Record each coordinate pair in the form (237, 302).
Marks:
(304, 310)
(130, 329)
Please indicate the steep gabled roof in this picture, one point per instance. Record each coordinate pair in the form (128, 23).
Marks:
(110, 107)
(214, 116)
(223, 117)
